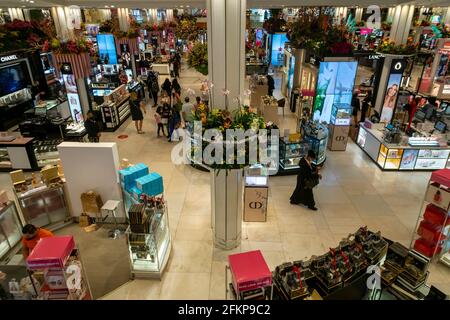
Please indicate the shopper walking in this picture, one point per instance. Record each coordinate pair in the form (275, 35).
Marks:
(186, 110)
(92, 127)
(365, 106)
(174, 121)
(271, 85)
(164, 112)
(159, 124)
(356, 104)
(176, 87)
(153, 88)
(167, 87)
(137, 109)
(307, 179)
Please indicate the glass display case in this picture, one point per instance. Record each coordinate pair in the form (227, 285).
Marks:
(150, 249)
(316, 135)
(10, 228)
(5, 161)
(46, 151)
(43, 206)
(291, 152)
(341, 114)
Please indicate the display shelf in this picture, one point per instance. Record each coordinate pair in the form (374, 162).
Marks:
(44, 206)
(432, 233)
(56, 259)
(149, 251)
(10, 228)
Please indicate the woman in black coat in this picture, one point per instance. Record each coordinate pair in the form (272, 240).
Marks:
(303, 192)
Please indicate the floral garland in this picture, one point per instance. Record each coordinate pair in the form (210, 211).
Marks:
(390, 47)
(71, 46)
(19, 34)
(244, 118)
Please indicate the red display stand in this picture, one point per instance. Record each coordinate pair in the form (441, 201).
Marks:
(249, 272)
(432, 231)
(58, 262)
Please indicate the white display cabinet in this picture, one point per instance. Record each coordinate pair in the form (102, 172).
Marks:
(150, 248)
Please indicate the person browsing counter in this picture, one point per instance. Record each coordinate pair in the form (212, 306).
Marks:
(31, 236)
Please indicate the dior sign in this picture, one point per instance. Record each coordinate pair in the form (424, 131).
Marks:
(8, 58)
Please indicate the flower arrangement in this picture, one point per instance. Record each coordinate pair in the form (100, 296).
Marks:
(198, 57)
(275, 24)
(71, 46)
(386, 26)
(313, 30)
(107, 26)
(187, 29)
(244, 118)
(24, 35)
(390, 47)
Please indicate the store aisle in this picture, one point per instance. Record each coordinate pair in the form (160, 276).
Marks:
(353, 192)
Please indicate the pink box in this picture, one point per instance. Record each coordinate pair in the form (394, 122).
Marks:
(51, 252)
(249, 271)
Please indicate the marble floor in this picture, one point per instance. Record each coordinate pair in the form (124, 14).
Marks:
(353, 192)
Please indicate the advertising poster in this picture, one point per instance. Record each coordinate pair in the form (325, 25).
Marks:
(391, 92)
(443, 66)
(409, 159)
(278, 41)
(107, 48)
(390, 98)
(72, 93)
(334, 85)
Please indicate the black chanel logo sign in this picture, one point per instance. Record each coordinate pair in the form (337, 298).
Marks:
(255, 205)
(340, 138)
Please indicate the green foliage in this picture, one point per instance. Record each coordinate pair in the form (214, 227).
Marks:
(198, 57)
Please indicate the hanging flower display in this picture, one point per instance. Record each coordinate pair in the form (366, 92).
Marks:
(390, 47)
(24, 34)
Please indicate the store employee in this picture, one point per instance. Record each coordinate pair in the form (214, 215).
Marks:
(31, 236)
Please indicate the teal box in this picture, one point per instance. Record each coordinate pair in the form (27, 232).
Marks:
(136, 193)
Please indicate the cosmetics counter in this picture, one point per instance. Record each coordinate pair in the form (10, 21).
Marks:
(116, 108)
(390, 149)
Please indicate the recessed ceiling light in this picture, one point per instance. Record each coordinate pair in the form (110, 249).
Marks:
(106, 6)
(31, 1)
(112, 6)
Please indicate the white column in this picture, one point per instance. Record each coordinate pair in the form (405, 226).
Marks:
(395, 21)
(59, 17)
(16, 13)
(401, 24)
(124, 23)
(446, 17)
(169, 14)
(153, 15)
(26, 14)
(226, 63)
(358, 14)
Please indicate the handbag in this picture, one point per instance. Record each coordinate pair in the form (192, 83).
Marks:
(311, 182)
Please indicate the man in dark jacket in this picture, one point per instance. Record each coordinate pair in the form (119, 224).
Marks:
(271, 85)
(92, 128)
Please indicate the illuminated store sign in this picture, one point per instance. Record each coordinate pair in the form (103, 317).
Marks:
(8, 58)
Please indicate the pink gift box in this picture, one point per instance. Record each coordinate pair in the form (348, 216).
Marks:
(51, 252)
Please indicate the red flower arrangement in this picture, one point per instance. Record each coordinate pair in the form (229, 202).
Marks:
(70, 46)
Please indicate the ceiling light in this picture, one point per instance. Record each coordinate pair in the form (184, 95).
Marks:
(112, 6)
(31, 1)
(106, 6)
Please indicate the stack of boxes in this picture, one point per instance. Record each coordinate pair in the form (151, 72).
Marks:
(136, 180)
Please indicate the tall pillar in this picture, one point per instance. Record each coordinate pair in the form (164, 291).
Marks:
(226, 60)
(446, 17)
(401, 24)
(124, 22)
(16, 13)
(153, 15)
(169, 15)
(60, 20)
(358, 14)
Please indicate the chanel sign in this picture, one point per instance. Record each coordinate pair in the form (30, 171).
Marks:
(8, 58)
